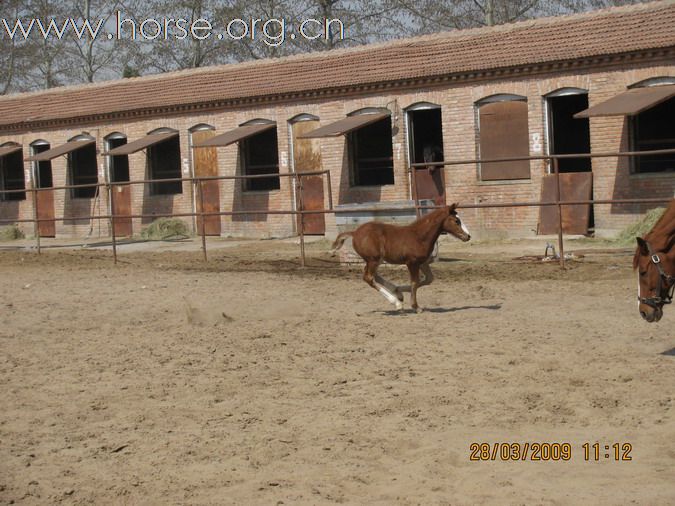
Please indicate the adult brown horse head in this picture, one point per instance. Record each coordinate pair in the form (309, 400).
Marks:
(655, 278)
(453, 225)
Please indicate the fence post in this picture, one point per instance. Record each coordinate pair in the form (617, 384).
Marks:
(561, 246)
(201, 215)
(418, 212)
(330, 190)
(35, 217)
(298, 191)
(111, 197)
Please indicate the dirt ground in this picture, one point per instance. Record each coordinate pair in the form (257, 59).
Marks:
(246, 380)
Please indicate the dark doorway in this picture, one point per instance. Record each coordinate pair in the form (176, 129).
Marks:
(568, 135)
(425, 140)
(83, 171)
(372, 154)
(164, 163)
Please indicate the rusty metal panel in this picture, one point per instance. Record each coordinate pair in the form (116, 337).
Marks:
(142, 143)
(504, 134)
(630, 102)
(63, 149)
(121, 195)
(45, 205)
(235, 135)
(206, 165)
(575, 219)
(344, 126)
(307, 158)
(430, 184)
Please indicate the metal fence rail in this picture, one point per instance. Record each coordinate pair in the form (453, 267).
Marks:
(298, 191)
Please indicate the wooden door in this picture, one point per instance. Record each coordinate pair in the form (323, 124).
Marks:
(45, 207)
(121, 195)
(45, 197)
(307, 158)
(206, 165)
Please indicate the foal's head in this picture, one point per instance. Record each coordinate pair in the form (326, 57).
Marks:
(453, 225)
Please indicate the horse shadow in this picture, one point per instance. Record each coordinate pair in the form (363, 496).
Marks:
(669, 353)
(402, 312)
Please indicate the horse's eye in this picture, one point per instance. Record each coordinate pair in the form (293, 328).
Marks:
(643, 274)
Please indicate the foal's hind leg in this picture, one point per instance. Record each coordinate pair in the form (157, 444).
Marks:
(370, 276)
(428, 275)
(391, 287)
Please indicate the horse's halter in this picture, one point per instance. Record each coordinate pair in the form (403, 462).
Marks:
(657, 300)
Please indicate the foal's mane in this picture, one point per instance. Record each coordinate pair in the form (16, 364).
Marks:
(433, 216)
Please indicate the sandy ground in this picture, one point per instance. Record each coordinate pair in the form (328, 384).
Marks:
(245, 380)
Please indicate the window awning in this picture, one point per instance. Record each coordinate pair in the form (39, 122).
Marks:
(142, 143)
(232, 136)
(344, 126)
(63, 149)
(8, 150)
(630, 102)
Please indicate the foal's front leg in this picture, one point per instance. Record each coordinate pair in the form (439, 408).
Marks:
(414, 284)
(428, 279)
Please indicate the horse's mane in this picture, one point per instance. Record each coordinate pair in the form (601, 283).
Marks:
(662, 235)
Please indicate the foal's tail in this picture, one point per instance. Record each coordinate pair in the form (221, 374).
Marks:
(339, 241)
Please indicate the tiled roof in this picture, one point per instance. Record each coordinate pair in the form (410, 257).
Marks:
(567, 38)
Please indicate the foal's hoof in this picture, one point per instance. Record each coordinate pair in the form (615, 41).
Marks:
(399, 306)
(418, 309)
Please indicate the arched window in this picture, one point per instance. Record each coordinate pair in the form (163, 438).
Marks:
(303, 117)
(11, 172)
(118, 165)
(42, 169)
(503, 133)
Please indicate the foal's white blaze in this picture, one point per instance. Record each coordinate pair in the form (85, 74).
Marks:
(466, 230)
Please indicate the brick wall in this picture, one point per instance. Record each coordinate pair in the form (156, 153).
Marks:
(612, 177)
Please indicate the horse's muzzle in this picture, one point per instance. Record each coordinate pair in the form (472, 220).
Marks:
(652, 316)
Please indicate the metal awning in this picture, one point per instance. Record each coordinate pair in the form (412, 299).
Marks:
(63, 149)
(344, 126)
(8, 150)
(139, 144)
(630, 102)
(232, 136)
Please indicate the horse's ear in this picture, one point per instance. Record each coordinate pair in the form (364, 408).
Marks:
(452, 207)
(642, 246)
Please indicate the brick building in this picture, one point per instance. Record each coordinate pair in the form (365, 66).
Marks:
(363, 114)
